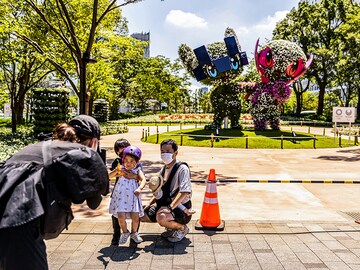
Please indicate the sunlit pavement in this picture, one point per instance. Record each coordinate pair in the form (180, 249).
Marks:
(267, 225)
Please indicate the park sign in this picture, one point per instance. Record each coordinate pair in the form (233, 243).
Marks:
(7, 110)
(344, 114)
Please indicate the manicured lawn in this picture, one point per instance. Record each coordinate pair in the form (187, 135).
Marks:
(231, 138)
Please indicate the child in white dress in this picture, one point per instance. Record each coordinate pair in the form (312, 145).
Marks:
(126, 201)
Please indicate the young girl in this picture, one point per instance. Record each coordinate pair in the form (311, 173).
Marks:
(126, 201)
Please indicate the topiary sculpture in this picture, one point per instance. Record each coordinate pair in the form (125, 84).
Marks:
(217, 64)
(279, 63)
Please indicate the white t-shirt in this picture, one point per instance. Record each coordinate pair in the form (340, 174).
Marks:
(181, 181)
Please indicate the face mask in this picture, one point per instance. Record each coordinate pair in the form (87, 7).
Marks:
(166, 158)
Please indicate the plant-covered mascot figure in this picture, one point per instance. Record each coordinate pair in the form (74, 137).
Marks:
(217, 64)
(279, 63)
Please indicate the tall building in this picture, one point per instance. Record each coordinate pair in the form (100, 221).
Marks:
(143, 37)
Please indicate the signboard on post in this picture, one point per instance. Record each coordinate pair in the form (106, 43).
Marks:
(7, 110)
(344, 114)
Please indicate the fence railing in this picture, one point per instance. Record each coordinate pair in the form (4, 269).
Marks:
(214, 138)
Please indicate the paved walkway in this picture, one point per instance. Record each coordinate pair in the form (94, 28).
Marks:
(267, 226)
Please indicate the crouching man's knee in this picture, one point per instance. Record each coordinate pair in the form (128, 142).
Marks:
(163, 216)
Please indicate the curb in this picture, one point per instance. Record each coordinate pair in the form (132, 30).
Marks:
(283, 181)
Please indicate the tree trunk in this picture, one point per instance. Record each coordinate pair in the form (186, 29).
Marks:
(358, 105)
(20, 111)
(84, 107)
(320, 109)
(298, 103)
(13, 120)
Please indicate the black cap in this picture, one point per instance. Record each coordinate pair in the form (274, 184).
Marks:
(86, 125)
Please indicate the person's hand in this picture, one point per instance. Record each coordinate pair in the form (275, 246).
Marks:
(189, 212)
(137, 191)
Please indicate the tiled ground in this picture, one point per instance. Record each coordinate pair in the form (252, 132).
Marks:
(242, 245)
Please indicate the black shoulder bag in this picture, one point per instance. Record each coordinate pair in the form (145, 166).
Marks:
(165, 200)
(57, 207)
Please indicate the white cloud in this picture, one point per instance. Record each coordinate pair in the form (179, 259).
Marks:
(268, 24)
(183, 19)
(262, 29)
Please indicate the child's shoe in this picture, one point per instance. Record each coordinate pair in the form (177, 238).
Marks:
(123, 238)
(136, 237)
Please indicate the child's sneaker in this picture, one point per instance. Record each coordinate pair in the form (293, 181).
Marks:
(179, 235)
(123, 238)
(136, 237)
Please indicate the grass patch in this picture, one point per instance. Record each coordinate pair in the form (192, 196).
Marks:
(232, 138)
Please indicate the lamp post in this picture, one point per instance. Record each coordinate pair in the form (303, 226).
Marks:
(84, 61)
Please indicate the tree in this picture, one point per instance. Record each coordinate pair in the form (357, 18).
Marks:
(299, 88)
(75, 26)
(314, 27)
(117, 60)
(205, 103)
(348, 67)
(21, 67)
(158, 78)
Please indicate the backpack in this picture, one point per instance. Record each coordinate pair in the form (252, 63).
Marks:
(57, 207)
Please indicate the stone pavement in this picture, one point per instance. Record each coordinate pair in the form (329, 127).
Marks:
(267, 226)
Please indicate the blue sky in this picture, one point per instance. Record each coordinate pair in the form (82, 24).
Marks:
(199, 22)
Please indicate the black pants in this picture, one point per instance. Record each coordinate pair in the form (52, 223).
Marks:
(23, 248)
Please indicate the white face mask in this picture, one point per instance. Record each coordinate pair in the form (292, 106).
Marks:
(167, 158)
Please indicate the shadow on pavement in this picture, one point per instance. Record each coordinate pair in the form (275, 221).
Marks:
(158, 246)
(340, 158)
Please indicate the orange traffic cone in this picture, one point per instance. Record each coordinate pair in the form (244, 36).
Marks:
(210, 213)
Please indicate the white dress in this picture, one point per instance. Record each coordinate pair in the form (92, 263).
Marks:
(123, 198)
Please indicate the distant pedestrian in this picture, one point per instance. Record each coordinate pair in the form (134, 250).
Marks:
(126, 200)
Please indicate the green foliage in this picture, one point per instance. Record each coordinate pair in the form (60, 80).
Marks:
(110, 128)
(205, 103)
(5, 122)
(50, 107)
(321, 28)
(21, 66)
(225, 102)
(11, 142)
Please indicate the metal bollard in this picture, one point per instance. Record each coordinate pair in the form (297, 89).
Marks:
(340, 140)
(314, 142)
(246, 142)
(282, 142)
(157, 137)
(181, 139)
